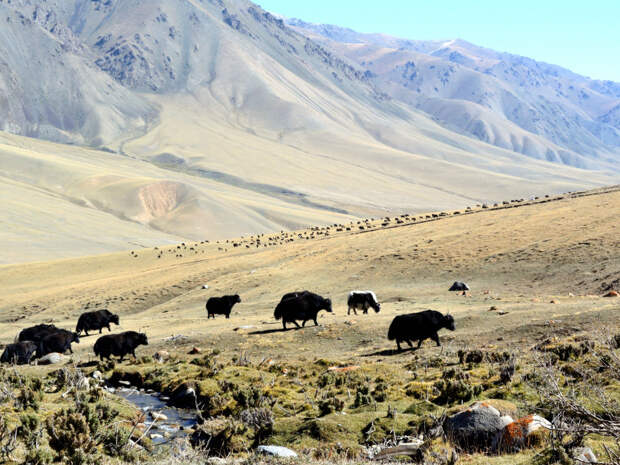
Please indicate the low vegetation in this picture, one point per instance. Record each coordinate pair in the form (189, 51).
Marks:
(321, 408)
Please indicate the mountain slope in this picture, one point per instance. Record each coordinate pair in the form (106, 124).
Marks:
(213, 118)
(508, 100)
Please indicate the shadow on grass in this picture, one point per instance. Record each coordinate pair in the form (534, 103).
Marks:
(389, 352)
(279, 330)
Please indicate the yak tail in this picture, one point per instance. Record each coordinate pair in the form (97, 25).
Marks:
(392, 331)
(277, 312)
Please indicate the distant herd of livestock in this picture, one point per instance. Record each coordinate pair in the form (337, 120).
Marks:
(43, 339)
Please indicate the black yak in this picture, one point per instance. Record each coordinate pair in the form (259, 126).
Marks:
(57, 342)
(97, 320)
(459, 286)
(221, 305)
(20, 352)
(38, 332)
(302, 306)
(418, 327)
(362, 300)
(119, 344)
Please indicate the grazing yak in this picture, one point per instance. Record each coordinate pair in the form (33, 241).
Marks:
(57, 342)
(418, 327)
(38, 332)
(459, 286)
(302, 306)
(362, 300)
(20, 352)
(119, 344)
(221, 305)
(97, 320)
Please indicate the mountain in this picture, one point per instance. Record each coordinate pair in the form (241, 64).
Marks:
(129, 123)
(507, 100)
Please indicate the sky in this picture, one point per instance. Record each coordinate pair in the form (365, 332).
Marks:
(581, 36)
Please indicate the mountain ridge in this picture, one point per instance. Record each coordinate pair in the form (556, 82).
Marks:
(206, 119)
(503, 84)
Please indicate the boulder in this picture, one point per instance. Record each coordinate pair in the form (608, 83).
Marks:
(183, 396)
(276, 451)
(475, 428)
(51, 359)
(523, 433)
(612, 294)
(459, 286)
(584, 455)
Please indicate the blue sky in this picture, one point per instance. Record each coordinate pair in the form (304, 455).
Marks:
(581, 36)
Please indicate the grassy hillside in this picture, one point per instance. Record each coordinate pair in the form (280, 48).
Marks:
(537, 270)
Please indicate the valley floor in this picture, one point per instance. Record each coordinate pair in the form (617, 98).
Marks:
(537, 270)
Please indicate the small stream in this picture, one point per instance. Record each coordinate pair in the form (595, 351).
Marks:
(178, 422)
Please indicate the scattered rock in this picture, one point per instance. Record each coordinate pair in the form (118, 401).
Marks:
(97, 375)
(158, 416)
(612, 294)
(155, 436)
(525, 432)
(51, 359)
(194, 351)
(554, 302)
(161, 356)
(475, 428)
(584, 455)
(493, 308)
(205, 286)
(276, 451)
(124, 383)
(404, 448)
(216, 461)
(184, 397)
(244, 327)
(344, 369)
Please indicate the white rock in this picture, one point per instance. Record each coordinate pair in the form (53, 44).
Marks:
(156, 436)
(585, 454)
(51, 359)
(216, 461)
(124, 383)
(158, 416)
(97, 375)
(276, 451)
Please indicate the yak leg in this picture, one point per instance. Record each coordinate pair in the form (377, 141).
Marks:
(398, 344)
(435, 337)
(349, 311)
(101, 329)
(420, 341)
(297, 324)
(316, 323)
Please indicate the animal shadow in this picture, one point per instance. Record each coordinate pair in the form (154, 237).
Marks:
(271, 331)
(390, 352)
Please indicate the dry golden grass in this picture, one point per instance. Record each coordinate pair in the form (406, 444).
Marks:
(516, 259)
